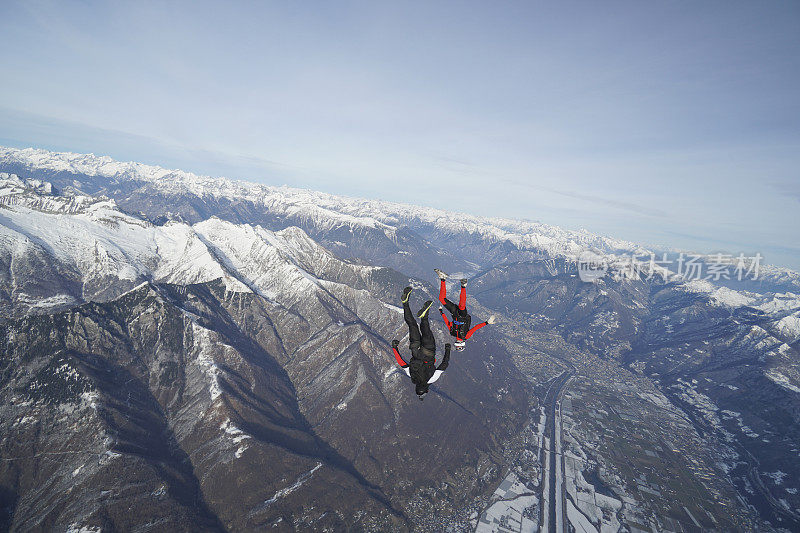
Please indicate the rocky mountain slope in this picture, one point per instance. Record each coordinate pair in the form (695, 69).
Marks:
(226, 365)
(230, 342)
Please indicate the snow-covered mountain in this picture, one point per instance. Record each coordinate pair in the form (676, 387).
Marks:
(161, 194)
(325, 212)
(245, 346)
(400, 236)
(229, 343)
(100, 252)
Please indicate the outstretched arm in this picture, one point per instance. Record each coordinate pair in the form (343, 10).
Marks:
(446, 359)
(474, 329)
(479, 326)
(443, 365)
(444, 317)
(400, 361)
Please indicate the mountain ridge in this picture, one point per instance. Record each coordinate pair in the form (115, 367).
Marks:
(256, 309)
(274, 289)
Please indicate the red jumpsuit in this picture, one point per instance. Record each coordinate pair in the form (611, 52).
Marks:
(459, 326)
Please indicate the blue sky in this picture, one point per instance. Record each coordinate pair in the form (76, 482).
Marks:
(672, 123)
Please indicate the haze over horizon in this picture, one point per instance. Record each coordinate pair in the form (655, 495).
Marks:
(660, 124)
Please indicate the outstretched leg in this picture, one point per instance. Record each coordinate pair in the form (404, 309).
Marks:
(450, 306)
(428, 341)
(414, 337)
(462, 299)
(442, 292)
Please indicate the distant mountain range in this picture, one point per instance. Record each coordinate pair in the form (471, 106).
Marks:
(180, 352)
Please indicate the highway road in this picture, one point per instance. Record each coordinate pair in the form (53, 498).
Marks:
(554, 512)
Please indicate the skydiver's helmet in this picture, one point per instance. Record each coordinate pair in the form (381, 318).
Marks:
(459, 345)
(421, 389)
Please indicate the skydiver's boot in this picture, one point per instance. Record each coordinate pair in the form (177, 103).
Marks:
(463, 282)
(439, 273)
(406, 294)
(424, 311)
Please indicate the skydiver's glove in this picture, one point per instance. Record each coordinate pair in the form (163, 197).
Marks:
(491, 320)
(395, 343)
(441, 310)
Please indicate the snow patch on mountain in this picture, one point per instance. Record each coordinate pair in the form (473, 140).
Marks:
(100, 241)
(789, 327)
(782, 380)
(265, 259)
(94, 241)
(48, 303)
(689, 393)
(236, 435)
(296, 485)
(721, 296)
(204, 351)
